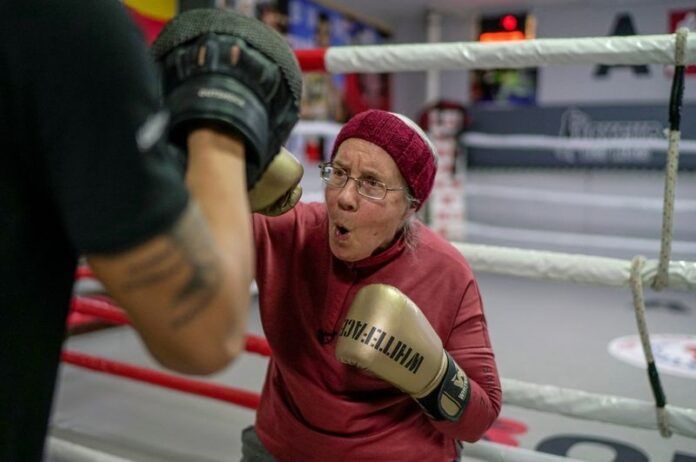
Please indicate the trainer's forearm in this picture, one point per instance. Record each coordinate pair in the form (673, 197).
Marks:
(216, 180)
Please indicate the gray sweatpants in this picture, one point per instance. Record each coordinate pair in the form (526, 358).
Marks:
(252, 448)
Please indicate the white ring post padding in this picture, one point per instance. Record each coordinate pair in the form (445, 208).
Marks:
(493, 452)
(631, 50)
(591, 406)
(557, 266)
(59, 450)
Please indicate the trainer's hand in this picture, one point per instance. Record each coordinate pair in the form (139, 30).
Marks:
(388, 335)
(278, 189)
(230, 72)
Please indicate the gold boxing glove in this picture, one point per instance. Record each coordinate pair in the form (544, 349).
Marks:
(278, 189)
(386, 334)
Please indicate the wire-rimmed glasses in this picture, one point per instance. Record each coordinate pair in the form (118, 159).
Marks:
(337, 177)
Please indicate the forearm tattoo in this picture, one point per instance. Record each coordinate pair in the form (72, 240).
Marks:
(188, 253)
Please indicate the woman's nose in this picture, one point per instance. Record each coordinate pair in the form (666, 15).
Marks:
(348, 195)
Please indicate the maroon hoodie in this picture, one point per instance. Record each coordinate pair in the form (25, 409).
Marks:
(314, 408)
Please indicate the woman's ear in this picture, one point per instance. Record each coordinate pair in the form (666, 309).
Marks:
(410, 209)
(413, 204)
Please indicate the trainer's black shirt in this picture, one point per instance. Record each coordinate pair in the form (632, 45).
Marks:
(76, 89)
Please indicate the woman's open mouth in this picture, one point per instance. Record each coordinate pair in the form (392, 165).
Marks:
(341, 232)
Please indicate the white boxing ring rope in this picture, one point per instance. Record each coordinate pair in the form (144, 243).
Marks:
(557, 266)
(595, 407)
(517, 141)
(639, 49)
(61, 450)
(554, 266)
(613, 201)
(555, 143)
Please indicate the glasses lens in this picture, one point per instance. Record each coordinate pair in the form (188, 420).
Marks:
(373, 189)
(325, 172)
(333, 176)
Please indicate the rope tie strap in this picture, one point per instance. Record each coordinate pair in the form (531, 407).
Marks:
(636, 282)
(672, 163)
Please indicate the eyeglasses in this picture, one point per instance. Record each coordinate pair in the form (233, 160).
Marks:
(336, 177)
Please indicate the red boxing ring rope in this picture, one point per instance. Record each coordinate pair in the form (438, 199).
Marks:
(237, 396)
(107, 311)
(111, 313)
(101, 309)
(311, 60)
(84, 272)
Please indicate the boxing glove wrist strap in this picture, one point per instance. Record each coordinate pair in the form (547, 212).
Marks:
(448, 400)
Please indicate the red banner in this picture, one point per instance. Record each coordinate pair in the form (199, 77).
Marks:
(683, 18)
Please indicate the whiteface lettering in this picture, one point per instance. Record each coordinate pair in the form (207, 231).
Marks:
(381, 341)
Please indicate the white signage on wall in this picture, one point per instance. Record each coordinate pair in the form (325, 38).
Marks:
(578, 124)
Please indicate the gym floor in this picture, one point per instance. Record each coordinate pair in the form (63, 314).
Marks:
(542, 332)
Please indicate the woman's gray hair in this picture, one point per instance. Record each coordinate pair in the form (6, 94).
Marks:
(409, 230)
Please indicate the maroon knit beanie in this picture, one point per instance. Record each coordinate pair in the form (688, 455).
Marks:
(405, 143)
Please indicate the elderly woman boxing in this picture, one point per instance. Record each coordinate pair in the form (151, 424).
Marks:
(380, 344)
